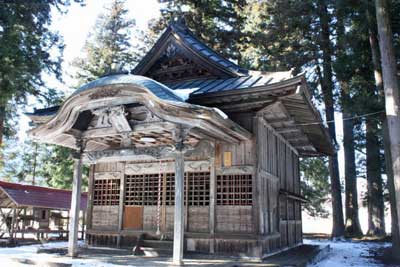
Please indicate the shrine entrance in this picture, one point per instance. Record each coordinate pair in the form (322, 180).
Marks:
(149, 197)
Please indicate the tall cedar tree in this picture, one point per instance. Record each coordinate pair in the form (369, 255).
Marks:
(327, 86)
(108, 49)
(375, 55)
(343, 70)
(26, 42)
(392, 103)
(366, 100)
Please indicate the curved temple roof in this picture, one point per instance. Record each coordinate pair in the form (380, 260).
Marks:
(117, 90)
(159, 89)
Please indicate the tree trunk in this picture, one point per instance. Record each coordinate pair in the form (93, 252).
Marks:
(392, 101)
(352, 222)
(376, 213)
(373, 41)
(352, 226)
(392, 192)
(327, 90)
(2, 121)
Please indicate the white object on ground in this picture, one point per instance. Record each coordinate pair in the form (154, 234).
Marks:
(347, 253)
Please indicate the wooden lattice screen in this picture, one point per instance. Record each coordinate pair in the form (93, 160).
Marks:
(199, 188)
(234, 189)
(142, 189)
(106, 192)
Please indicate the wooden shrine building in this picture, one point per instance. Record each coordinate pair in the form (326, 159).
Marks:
(35, 211)
(215, 171)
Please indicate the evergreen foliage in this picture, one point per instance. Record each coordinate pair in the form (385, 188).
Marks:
(28, 49)
(108, 49)
(315, 186)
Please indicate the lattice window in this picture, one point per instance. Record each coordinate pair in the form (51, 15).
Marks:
(142, 189)
(170, 189)
(106, 192)
(199, 188)
(234, 190)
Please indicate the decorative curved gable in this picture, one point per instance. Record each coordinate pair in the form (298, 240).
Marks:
(178, 56)
(108, 113)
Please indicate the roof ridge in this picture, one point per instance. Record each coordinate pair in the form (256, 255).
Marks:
(194, 43)
(183, 27)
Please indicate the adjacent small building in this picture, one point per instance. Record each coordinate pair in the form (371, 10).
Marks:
(191, 147)
(35, 211)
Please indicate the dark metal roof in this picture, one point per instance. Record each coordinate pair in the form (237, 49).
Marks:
(204, 86)
(43, 112)
(159, 89)
(196, 45)
(38, 196)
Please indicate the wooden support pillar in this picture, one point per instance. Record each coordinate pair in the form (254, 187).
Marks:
(83, 225)
(121, 202)
(163, 204)
(75, 207)
(89, 209)
(12, 228)
(23, 225)
(213, 198)
(179, 209)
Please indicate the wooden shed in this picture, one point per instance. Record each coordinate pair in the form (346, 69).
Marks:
(190, 147)
(35, 210)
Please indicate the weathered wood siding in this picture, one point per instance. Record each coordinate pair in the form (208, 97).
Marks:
(198, 219)
(242, 153)
(234, 219)
(105, 217)
(277, 169)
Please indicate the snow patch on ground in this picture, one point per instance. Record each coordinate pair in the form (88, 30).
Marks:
(347, 253)
(341, 254)
(27, 256)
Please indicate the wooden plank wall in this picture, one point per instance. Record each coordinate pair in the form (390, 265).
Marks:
(242, 153)
(106, 217)
(234, 218)
(278, 168)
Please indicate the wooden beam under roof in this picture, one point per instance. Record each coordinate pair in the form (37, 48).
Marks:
(289, 129)
(144, 127)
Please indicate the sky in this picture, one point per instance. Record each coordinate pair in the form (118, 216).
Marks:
(74, 27)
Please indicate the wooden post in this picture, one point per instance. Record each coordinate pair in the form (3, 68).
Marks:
(179, 209)
(187, 202)
(121, 203)
(83, 225)
(89, 209)
(12, 228)
(75, 207)
(163, 204)
(23, 225)
(212, 203)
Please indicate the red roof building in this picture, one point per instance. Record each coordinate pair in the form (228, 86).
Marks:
(37, 196)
